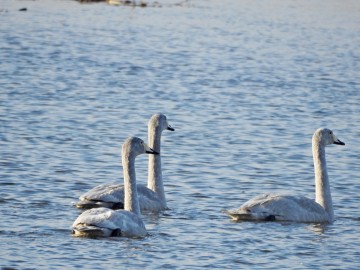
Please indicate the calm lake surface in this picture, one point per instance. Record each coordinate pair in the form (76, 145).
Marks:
(244, 83)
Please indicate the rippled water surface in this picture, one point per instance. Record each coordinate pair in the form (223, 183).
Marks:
(244, 83)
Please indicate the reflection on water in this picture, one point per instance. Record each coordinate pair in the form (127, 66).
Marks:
(245, 83)
(318, 228)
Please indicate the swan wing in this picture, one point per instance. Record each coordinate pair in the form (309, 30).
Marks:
(281, 208)
(148, 199)
(112, 196)
(132, 224)
(105, 193)
(106, 222)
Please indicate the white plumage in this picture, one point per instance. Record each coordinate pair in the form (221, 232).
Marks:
(112, 196)
(273, 207)
(106, 222)
(152, 197)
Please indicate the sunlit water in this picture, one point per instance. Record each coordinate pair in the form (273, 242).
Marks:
(244, 83)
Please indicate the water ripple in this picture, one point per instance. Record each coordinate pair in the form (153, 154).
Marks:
(245, 88)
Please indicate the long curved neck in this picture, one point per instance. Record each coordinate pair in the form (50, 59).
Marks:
(131, 202)
(322, 185)
(155, 182)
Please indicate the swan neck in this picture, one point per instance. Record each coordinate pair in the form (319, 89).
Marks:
(155, 182)
(322, 184)
(131, 202)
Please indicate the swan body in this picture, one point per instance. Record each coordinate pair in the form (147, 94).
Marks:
(106, 222)
(152, 197)
(271, 207)
(112, 196)
(274, 207)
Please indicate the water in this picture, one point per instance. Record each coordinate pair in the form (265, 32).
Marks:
(245, 84)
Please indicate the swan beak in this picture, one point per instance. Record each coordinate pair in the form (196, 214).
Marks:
(149, 150)
(337, 141)
(170, 128)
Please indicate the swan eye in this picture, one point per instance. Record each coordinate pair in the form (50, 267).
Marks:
(330, 132)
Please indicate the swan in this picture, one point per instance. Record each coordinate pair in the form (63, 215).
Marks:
(151, 197)
(106, 222)
(274, 207)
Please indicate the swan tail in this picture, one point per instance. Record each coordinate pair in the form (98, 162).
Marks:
(84, 230)
(239, 215)
(87, 204)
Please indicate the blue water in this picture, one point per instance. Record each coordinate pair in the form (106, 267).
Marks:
(244, 83)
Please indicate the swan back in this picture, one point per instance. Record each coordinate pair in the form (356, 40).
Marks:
(104, 195)
(275, 207)
(112, 196)
(104, 222)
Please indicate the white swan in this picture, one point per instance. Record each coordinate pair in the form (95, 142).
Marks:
(106, 222)
(152, 197)
(272, 207)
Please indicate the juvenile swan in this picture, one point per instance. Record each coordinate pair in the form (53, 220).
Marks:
(152, 197)
(106, 222)
(273, 207)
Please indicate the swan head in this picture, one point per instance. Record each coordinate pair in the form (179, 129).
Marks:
(134, 146)
(326, 136)
(160, 121)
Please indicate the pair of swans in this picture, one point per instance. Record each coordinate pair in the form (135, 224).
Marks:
(151, 197)
(268, 207)
(102, 219)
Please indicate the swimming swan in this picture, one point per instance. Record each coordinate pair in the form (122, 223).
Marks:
(272, 207)
(107, 222)
(152, 197)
